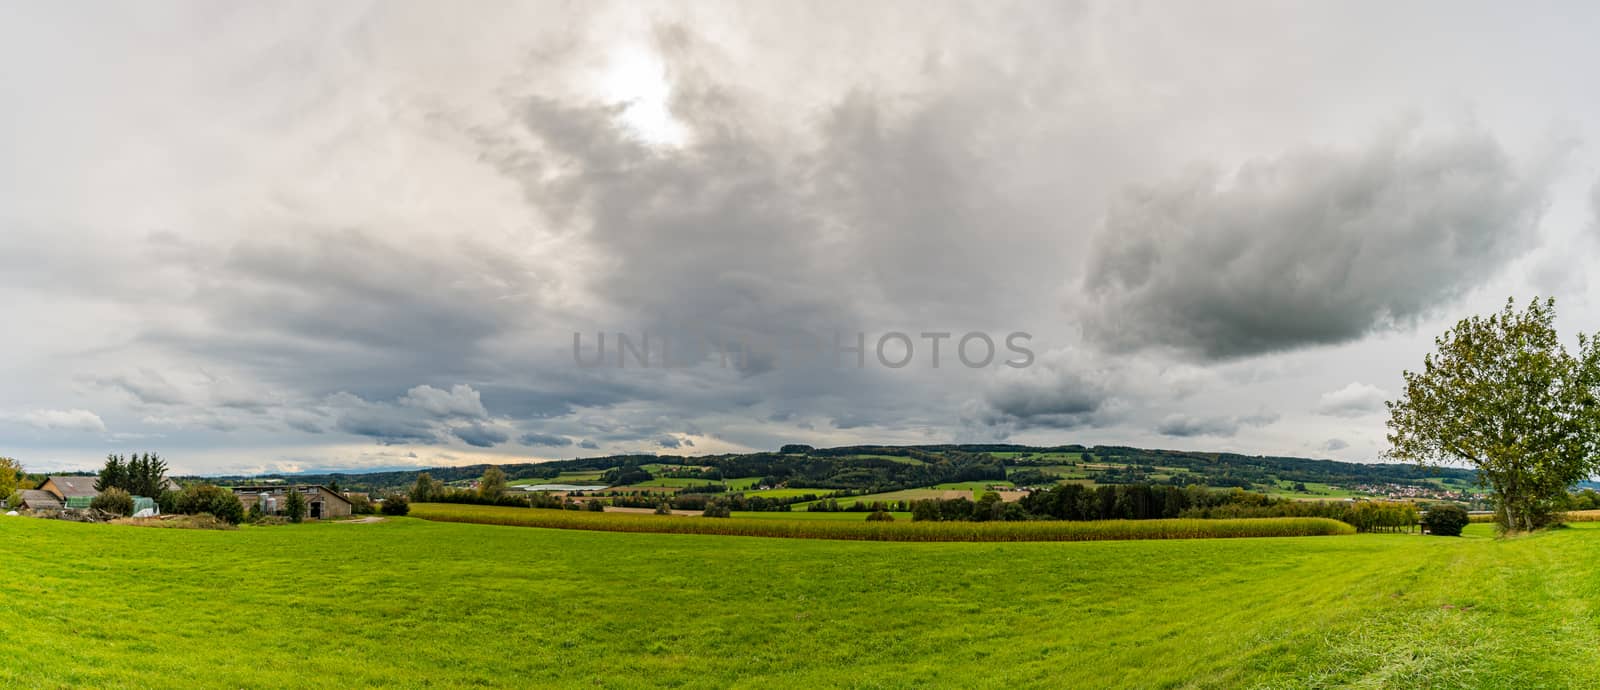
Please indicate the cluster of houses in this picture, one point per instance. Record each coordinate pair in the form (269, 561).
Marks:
(76, 492)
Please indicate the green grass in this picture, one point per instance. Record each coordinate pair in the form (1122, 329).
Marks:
(410, 603)
(1314, 490)
(563, 478)
(789, 493)
(736, 484)
(1052, 530)
(974, 486)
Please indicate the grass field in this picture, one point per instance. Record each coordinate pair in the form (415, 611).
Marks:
(563, 478)
(410, 603)
(973, 486)
(1051, 530)
(788, 493)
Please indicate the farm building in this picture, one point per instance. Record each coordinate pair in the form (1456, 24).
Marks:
(321, 502)
(77, 492)
(66, 488)
(34, 499)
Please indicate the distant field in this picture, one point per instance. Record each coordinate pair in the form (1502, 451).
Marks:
(1043, 530)
(892, 458)
(788, 493)
(563, 478)
(1314, 490)
(902, 495)
(410, 603)
(973, 486)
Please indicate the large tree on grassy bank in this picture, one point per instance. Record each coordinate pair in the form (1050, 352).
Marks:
(1502, 394)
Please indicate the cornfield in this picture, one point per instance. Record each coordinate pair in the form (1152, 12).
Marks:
(1053, 530)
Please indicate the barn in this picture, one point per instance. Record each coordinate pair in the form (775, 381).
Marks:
(321, 501)
(34, 499)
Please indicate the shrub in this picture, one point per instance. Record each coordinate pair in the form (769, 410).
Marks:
(210, 499)
(880, 516)
(396, 505)
(594, 505)
(114, 501)
(167, 501)
(717, 509)
(361, 505)
(294, 506)
(663, 508)
(1445, 519)
(255, 513)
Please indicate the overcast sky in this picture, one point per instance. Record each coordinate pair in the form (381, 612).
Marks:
(304, 235)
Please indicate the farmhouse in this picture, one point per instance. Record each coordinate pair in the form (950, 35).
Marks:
(321, 501)
(68, 488)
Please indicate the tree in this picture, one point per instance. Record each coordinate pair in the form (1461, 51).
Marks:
(294, 506)
(493, 483)
(10, 477)
(1503, 395)
(115, 501)
(114, 475)
(426, 488)
(1445, 519)
(139, 475)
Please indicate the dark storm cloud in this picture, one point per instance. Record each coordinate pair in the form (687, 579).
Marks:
(588, 445)
(1310, 248)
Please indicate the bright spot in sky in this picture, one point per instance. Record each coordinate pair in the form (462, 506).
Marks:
(638, 80)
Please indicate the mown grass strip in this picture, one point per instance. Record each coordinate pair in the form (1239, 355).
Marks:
(885, 531)
(1569, 516)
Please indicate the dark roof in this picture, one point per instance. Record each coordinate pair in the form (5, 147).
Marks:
(35, 499)
(72, 487)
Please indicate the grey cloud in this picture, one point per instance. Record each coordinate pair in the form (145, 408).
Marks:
(480, 435)
(63, 420)
(424, 414)
(1063, 391)
(1334, 444)
(385, 428)
(547, 440)
(148, 387)
(669, 442)
(1184, 425)
(1353, 400)
(301, 420)
(589, 445)
(460, 401)
(1310, 248)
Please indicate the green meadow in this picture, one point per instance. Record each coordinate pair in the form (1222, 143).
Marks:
(411, 603)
